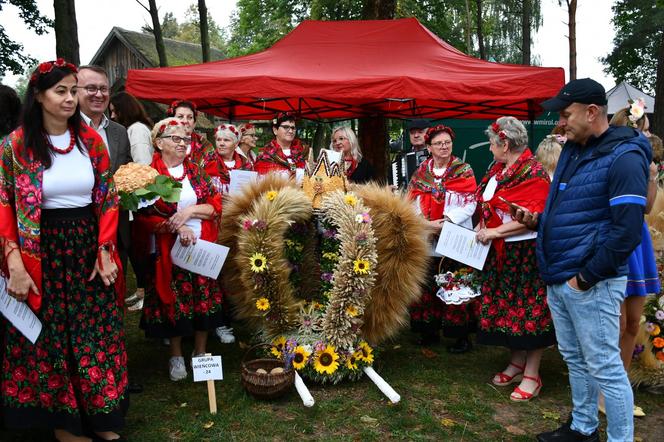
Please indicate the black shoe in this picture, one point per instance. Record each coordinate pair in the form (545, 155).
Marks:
(134, 388)
(566, 434)
(462, 345)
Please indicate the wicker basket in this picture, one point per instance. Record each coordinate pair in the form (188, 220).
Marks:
(265, 386)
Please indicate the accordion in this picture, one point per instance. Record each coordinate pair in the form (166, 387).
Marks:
(404, 165)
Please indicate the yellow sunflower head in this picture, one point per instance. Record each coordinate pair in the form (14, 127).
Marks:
(258, 262)
(263, 304)
(365, 353)
(278, 345)
(327, 360)
(361, 266)
(351, 311)
(300, 357)
(351, 361)
(271, 195)
(350, 200)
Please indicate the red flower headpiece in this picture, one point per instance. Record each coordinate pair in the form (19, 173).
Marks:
(246, 127)
(495, 127)
(163, 127)
(230, 128)
(181, 103)
(47, 66)
(282, 116)
(432, 131)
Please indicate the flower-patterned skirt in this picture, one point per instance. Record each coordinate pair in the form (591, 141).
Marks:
(514, 312)
(198, 306)
(75, 376)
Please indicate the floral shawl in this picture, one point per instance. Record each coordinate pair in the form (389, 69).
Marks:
(201, 149)
(21, 178)
(458, 181)
(525, 183)
(151, 219)
(216, 167)
(272, 158)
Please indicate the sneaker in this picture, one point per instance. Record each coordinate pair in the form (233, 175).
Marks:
(176, 368)
(225, 335)
(137, 306)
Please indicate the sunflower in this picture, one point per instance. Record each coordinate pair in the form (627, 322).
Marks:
(278, 346)
(263, 304)
(271, 195)
(365, 353)
(350, 200)
(351, 311)
(300, 357)
(351, 361)
(258, 262)
(361, 266)
(327, 360)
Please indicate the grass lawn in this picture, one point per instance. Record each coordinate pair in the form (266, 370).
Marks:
(443, 397)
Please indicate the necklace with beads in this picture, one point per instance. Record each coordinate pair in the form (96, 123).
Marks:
(66, 150)
(180, 178)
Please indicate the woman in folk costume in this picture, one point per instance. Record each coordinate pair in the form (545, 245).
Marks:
(285, 152)
(444, 190)
(185, 112)
(58, 238)
(225, 158)
(247, 143)
(514, 311)
(178, 302)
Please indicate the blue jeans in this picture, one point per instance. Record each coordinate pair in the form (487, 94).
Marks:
(588, 330)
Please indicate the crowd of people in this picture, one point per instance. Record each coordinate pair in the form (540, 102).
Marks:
(565, 226)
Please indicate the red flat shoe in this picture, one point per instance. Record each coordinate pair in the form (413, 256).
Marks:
(506, 379)
(524, 396)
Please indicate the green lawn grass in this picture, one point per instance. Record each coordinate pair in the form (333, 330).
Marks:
(443, 397)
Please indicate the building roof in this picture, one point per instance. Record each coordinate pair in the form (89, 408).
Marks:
(178, 53)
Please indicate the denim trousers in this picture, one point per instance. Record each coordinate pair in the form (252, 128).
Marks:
(588, 330)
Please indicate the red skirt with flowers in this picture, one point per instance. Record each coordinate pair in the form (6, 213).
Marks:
(514, 310)
(198, 306)
(75, 375)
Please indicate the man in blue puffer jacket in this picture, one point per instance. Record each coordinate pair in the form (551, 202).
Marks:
(590, 226)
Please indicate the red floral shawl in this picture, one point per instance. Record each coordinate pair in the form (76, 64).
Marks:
(272, 159)
(525, 183)
(216, 167)
(201, 149)
(21, 178)
(151, 219)
(457, 178)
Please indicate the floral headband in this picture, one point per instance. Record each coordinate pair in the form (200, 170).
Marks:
(495, 127)
(246, 127)
(181, 103)
(282, 116)
(47, 66)
(637, 108)
(163, 127)
(437, 129)
(228, 129)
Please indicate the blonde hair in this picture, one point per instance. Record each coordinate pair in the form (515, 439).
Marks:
(347, 132)
(548, 153)
(621, 118)
(657, 148)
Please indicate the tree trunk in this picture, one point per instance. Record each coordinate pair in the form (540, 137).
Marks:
(571, 14)
(372, 131)
(526, 19)
(658, 118)
(205, 38)
(158, 38)
(469, 27)
(480, 35)
(66, 31)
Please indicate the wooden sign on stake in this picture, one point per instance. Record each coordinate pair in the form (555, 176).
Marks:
(208, 368)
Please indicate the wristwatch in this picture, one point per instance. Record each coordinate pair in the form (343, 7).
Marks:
(582, 283)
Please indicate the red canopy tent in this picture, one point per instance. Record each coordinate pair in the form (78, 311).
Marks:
(344, 69)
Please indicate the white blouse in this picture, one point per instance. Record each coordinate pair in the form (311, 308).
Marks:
(69, 181)
(187, 198)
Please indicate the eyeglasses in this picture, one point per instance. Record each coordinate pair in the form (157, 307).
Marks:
(178, 139)
(92, 89)
(288, 128)
(441, 143)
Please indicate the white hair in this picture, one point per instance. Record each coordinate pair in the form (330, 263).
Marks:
(514, 132)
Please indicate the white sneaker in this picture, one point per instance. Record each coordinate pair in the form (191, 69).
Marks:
(176, 368)
(225, 335)
(137, 306)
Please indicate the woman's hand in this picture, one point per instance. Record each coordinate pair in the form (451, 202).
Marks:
(19, 285)
(486, 235)
(180, 218)
(186, 236)
(436, 224)
(109, 273)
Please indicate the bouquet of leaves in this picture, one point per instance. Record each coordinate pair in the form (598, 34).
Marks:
(140, 186)
(457, 287)
(654, 313)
